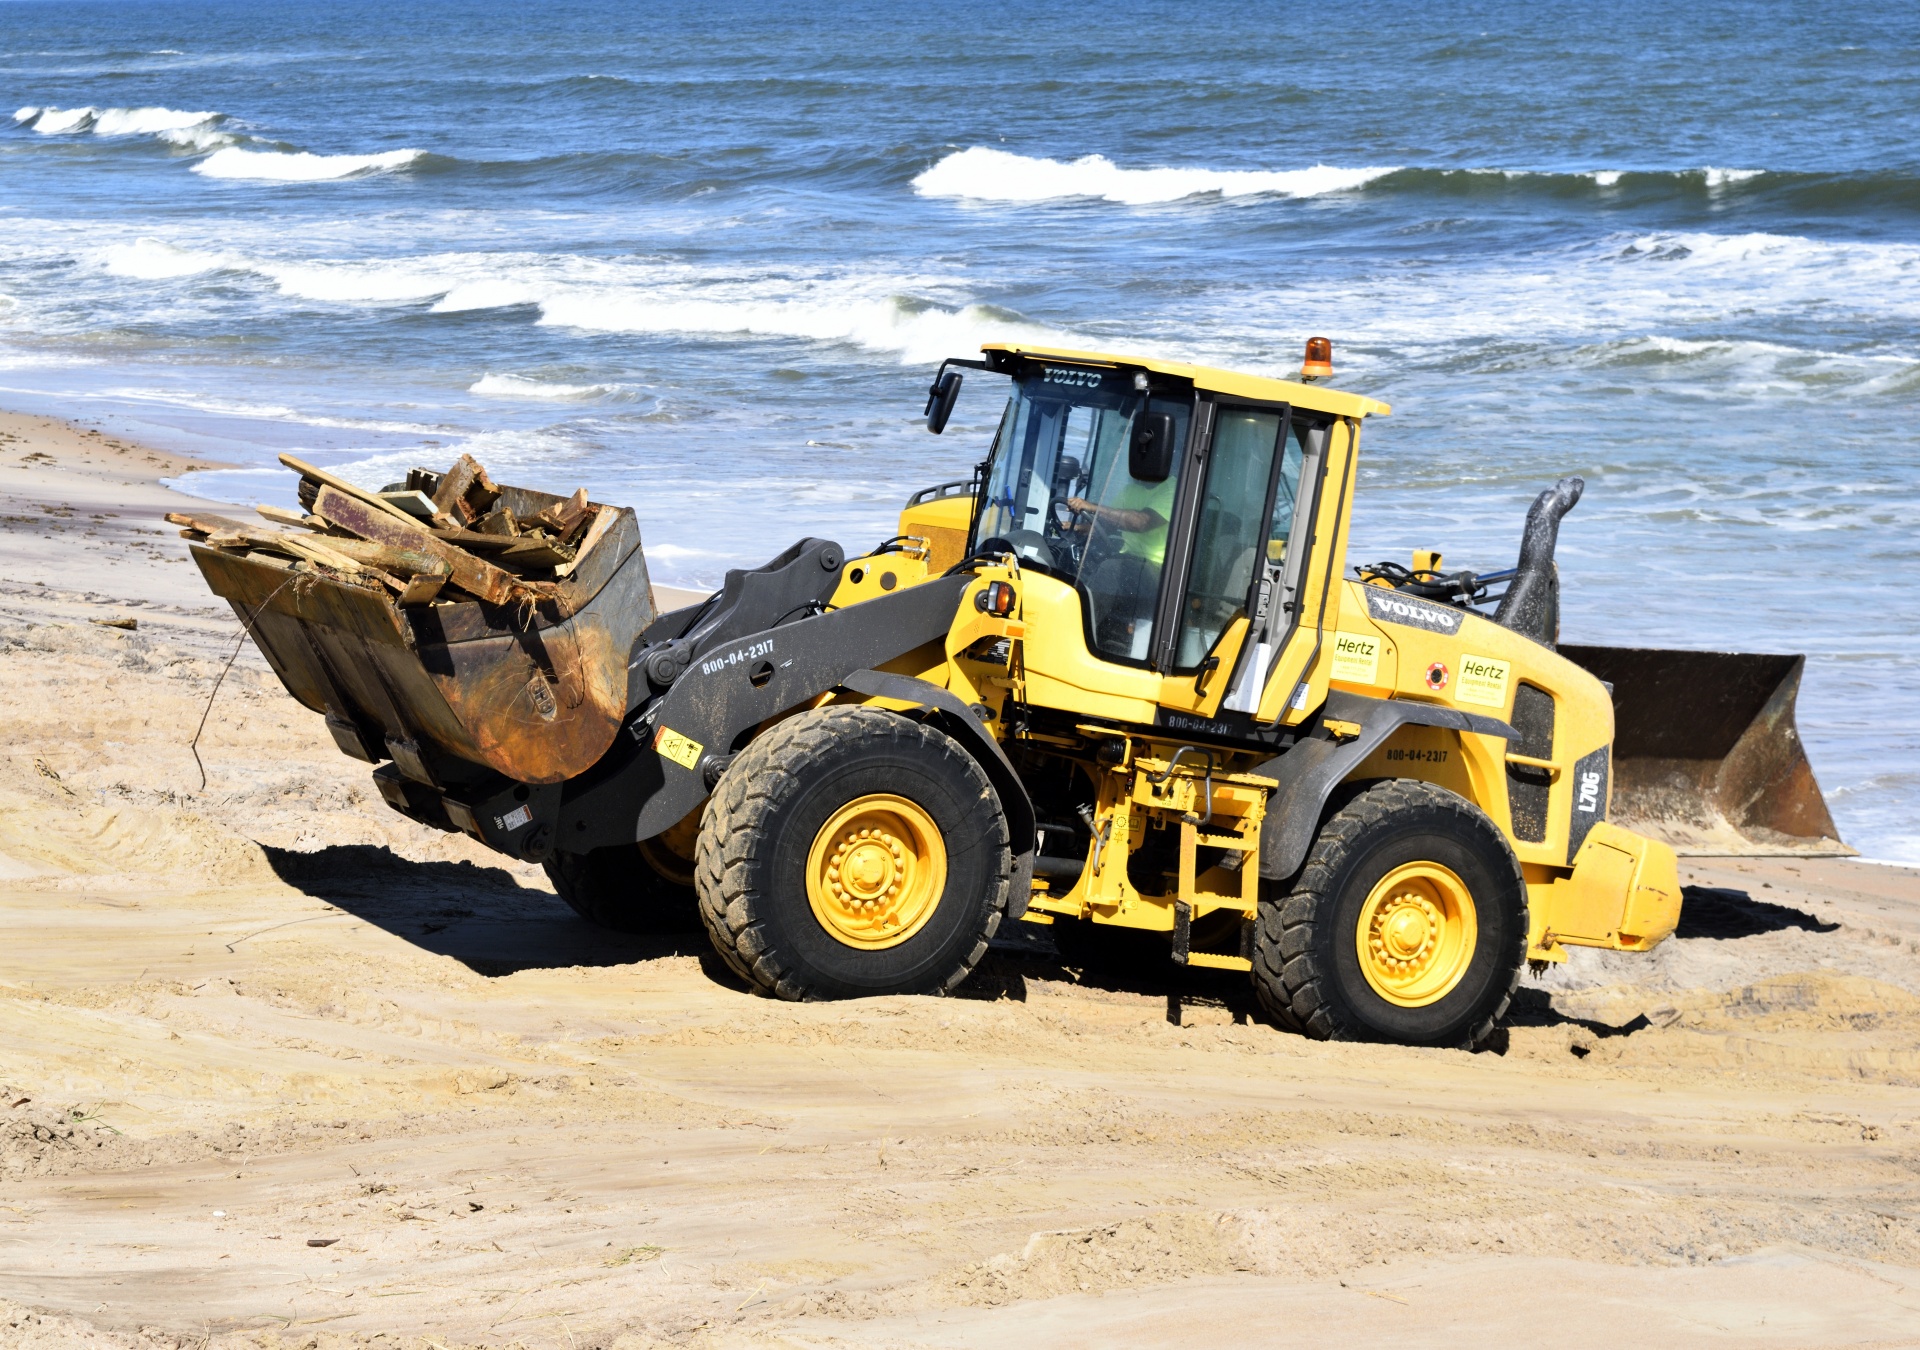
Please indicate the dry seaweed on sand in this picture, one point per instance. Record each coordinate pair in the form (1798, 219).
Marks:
(436, 536)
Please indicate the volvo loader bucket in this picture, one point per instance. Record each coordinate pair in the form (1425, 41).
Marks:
(533, 691)
(1706, 755)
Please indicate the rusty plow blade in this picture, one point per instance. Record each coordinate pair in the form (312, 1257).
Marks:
(1706, 755)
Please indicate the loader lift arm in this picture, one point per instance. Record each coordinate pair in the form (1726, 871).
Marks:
(741, 682)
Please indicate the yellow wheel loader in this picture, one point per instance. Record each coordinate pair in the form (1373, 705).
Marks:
(1121, 679)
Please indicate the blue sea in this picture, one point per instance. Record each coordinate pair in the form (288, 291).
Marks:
(702, 258)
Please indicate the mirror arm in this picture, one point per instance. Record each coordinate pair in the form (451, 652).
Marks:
(940, 398)
(955, 361)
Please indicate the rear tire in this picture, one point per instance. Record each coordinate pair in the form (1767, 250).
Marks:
(1408, 923)
(850, 852)
(622, 888)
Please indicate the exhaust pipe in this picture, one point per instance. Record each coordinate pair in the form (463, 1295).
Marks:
(1531, 606)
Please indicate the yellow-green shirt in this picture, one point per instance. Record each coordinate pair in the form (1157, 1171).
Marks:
(1135, 495)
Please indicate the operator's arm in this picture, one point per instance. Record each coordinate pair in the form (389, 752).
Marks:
(1132, 521)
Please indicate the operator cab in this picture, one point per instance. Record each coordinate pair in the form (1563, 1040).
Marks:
(1167, 505)
(1068, 493)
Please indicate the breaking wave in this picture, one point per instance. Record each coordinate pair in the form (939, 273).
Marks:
(201, 133)
(985, 174)
(519, 386)
(299, 166)
(982, 173)
(194, 131)
(115, 121)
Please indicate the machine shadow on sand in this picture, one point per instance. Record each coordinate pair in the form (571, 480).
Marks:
(485, 919)
(1708, 913)
(1721, 913)
(481, 917)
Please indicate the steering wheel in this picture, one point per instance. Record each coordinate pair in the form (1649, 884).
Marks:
(1061, 533)
(1064, 516)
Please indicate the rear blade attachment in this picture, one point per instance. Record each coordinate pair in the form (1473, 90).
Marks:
(1706, 755)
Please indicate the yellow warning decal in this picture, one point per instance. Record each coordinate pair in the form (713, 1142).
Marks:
(1356, 658)
(1483, 680)
(681, 750)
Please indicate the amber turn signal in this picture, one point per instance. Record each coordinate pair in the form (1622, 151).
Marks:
(1319, 362)
(995, 598)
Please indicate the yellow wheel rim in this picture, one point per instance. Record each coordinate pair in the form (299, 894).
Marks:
(1416, 935)
(876, 871)
(670, 853)
(667, 862)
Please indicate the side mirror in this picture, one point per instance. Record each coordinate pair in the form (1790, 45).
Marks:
(942, 394)
(1150, 454)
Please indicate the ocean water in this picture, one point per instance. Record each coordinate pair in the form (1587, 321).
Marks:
(702, 258)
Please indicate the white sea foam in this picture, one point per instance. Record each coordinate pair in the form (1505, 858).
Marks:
(197, 138)
(1595, 305)
(354, 283)
(1619, 301)
(487, 293)
(519, 386)
(1713, 178)
(266, 412)
(904, 316)
(1849, 269)
(904, 325)
(156, 260)
(147, 121)
(986, 174)
(300, 166)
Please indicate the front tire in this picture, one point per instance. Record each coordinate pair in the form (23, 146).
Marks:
(849, 852)
(1408, 923)
(633, 888)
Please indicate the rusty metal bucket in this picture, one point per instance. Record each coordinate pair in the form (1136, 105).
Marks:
(453, 690)
(1706, 755)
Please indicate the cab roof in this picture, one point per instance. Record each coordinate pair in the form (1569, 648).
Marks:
(1317, 397)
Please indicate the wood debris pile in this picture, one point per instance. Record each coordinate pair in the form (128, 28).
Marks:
(448, 536)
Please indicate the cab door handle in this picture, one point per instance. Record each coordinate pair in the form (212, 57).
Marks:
(1207, 667)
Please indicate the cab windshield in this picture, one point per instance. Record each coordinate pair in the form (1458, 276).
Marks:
(1060, 497)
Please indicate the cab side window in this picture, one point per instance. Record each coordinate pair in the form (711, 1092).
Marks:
(1126, 548)
(1239, 537)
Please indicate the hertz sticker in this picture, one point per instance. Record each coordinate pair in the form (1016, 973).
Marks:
(1483, 680)
(681, 750)
(1356, 659)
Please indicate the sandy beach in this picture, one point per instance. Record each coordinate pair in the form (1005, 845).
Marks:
(281, 1068)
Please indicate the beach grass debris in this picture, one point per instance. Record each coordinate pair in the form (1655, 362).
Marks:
(636, 1255)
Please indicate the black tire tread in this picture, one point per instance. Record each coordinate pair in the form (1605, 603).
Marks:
(732, 832)
(1287, 982)
(615, 888)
